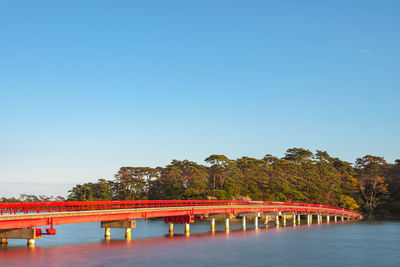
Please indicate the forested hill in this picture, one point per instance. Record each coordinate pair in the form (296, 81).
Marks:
(370, 185)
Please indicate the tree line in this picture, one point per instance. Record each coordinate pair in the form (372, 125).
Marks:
(370, 185)
(32, 198)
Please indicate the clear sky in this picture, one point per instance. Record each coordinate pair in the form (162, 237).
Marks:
(89, 86)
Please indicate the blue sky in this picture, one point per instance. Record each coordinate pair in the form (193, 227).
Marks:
(89, 86)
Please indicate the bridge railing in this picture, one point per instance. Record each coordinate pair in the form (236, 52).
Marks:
(41, 207)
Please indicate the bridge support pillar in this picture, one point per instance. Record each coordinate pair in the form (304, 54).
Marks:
(298, 219)
(125, 224)
(309, 219)
(244, 222)
(284, 220)
(212, 224)
(171, 228)
(31, 242)
(107, 233)
(277, 221)
(266, 220)
(342, 218)
(128, 233)
(327, 218)
(19, 233)
(4, 242)
(256, 222)
(227, 224)
(187, 228)
(294, 219)
(335, 218)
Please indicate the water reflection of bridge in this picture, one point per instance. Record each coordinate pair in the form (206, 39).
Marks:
(18, 220)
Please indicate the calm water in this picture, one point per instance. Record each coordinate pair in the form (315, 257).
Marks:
(342, 244)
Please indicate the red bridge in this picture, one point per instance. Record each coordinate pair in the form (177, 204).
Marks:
(18, 220)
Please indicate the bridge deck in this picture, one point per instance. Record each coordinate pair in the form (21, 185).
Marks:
(23, 215)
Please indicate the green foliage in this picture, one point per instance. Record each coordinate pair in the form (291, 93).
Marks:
(373, 189)
(300, 176)
(348, 202)
(392, 174)
(298, 155)
(91, 191)
(31, 198)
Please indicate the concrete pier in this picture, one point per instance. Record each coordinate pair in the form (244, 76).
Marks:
(284, 220)
(23, 233)
(294, 219)
(256, 222)
(171, 228)
(227, 224)
(277, 221)
(125, 224)
(107, 233)
(266, 220)
(342, 219)
(187, 228)
(298, 219)
(128, 233)
(327, 218)
(309, 219)
(31, 242)
(4, 242)
(212, 224)
(244, 222)
(335, 218)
